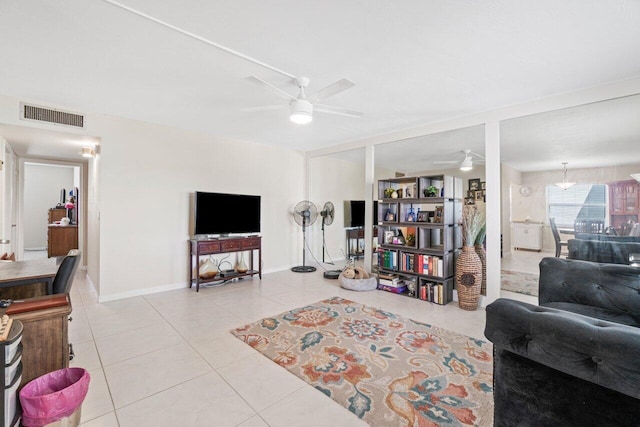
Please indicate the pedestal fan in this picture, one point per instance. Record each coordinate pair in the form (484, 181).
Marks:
(305, 213)
(328, 212)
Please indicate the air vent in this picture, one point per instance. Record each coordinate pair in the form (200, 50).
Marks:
(32, 112)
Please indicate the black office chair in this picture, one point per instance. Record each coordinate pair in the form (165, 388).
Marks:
(66, 272)
(556, 237)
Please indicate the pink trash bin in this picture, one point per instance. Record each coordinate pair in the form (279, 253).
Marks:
(54, 396)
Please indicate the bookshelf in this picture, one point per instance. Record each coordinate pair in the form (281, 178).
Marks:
(418, 235)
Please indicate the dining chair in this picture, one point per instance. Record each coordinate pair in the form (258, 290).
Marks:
(556, 237)
(66, 272)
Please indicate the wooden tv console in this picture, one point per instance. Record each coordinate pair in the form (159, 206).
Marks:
(222, 245)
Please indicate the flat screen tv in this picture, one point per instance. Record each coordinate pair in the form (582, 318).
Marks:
(223, 214)
(354, 213)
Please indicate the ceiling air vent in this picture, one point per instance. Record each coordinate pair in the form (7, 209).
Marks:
(41, 114)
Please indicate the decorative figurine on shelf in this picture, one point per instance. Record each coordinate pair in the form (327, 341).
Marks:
(411, 216)
(388, 192)
(389, 216)
(430, 191)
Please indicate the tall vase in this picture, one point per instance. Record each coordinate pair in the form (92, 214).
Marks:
(483, 259)
(468, 278)
(241, 266)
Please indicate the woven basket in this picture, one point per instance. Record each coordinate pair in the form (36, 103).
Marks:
(468, 278)
(483, 259)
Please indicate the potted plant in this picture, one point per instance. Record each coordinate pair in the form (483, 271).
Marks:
(388, 192)
(430, 191)
(468, 264)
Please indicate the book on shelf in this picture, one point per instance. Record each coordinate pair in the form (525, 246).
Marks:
(389, 280)
(393, 289)
(432, 292)
(430, 265)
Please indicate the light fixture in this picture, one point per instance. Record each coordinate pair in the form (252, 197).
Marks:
(88, 152)
(466, 164)
(636, 176)
(301, 111)
(564, 184)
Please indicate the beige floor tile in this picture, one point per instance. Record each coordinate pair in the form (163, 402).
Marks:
(86, 356)
(220, 348)
(105, 326)
(310, 408)
(254, 421)
(143, 376)
(260, 381)
(203, 401)
(123, 346)
(98, 401)
(108, 420)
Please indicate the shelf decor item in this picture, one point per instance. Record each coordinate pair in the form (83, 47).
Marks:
(430, 191)
(479, 246)
(241, 266)
(468, 264)
(208, 269)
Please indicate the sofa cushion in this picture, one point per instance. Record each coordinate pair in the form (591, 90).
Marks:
(608, 286)
(631, 319)
(602, 251)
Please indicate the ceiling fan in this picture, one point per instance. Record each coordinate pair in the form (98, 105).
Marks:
(301, 107)
(467, 163)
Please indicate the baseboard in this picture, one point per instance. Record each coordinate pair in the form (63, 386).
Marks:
(141, 292)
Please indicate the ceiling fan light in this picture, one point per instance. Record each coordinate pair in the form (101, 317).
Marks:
(466, 165)
(636, 176)
(301, 112)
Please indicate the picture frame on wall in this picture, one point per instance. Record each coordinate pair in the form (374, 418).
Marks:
(479, 196)
(474, 184)
(483, 185)
(469, 201)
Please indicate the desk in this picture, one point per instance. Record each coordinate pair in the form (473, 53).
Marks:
(27, 272)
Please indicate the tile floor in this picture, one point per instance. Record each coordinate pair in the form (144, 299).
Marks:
(168, 359)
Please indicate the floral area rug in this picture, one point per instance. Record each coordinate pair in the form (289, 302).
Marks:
(387, 370)
(522, 283)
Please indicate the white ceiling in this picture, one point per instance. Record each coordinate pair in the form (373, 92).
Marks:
(413, 62)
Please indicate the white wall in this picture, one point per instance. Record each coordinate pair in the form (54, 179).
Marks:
(42, 185)
(139, 191)
(510, 203)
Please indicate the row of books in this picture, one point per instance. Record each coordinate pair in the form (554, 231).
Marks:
(432, 292)
(388, 259)
(424, 264)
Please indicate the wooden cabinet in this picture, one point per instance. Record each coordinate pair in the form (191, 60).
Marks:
(419, 236)
(199, 248)
(45, 337)
(56, 214)
(526, 235)
(61, 239)
(623, 202)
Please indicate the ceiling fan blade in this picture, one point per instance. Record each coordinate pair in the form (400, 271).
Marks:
(264, 108)
(336, 110)
(332, 89)
(277, 90)
(476, 154)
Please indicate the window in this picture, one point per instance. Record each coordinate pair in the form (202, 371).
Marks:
(582, 201)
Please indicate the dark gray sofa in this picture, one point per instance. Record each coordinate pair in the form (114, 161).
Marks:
(574, 360)
(603, 251)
